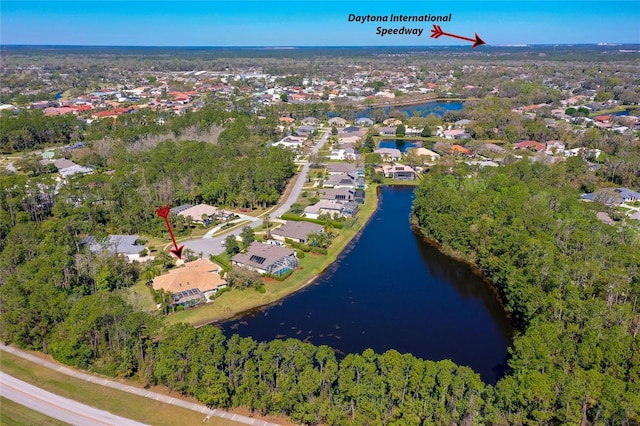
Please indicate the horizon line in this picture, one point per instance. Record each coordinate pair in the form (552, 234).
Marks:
(286, 47)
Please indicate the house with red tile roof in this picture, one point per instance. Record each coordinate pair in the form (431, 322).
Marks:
(531, 145)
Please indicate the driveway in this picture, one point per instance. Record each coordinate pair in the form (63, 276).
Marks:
(209, 245)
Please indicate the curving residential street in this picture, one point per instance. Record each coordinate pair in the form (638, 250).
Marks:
(213, 245)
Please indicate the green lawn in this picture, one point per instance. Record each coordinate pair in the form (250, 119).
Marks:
(237, 301)
(13, 414)
(135, 407)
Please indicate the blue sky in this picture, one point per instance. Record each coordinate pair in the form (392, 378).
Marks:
(312, 23)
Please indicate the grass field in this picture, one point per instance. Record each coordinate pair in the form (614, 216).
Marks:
(135, 407)
(12, 414)
(238, 301)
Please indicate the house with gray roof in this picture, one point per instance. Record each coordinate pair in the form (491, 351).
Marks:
(116, 244)
(364, 121)
(340, 168)
(305, 130)
(340, 194)
(387, 131)
(266, 259)
(339, 181)
(389, 154)
(296, 231)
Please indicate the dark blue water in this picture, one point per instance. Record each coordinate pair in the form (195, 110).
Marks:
(400, 144)
(391, 290)
(437, 108)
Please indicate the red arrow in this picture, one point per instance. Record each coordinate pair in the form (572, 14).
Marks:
(437, 32)
(163, 212)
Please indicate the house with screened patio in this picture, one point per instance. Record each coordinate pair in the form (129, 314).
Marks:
(267, 259)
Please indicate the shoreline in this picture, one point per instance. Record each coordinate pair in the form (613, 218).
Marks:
(237, 303)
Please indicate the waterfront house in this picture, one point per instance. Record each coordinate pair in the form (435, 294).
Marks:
(340, 194)
(296, 231)
(389, 154)
(387, 131)
(194, 283)
(266, 258)
(339, 181)
(399, 171)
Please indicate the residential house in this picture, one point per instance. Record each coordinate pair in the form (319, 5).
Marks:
(338, 154)
(266, 258)
(291, 142)
(304, 131)
(341, 168)
(389, 154)
(613, 196)
(555, 147)
(459, 150)
(387, 131)
(456, 134)
(125, 245)
(399, 171)
(351, 131)
(204, 214)
(427, 153)
(340, 194)
(333, 208)
(491, 149)
(364, 121)
(337, 121)
(349, 141)
(339, 181)
(310, 121)
(194, 283)
(530, 145)
(461, 124)
(297, 231)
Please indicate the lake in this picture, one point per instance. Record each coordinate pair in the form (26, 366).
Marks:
(400, 144)
(437, 108)
(389, 289)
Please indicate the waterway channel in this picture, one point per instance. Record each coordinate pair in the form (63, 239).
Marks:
(391, 290)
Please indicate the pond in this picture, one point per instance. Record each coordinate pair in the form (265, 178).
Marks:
(403, 145)
(390, 289)
(437, 108)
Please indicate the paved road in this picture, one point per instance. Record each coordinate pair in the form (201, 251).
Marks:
(63, 409)
(209, 246)
(199, 408)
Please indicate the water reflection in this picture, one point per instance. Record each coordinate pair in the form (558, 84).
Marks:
(391, 290)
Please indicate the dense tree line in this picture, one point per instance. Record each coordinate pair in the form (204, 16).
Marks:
(570, 282)
(31, 129)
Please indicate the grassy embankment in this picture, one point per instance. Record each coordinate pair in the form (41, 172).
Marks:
(613, 110)
(238, 301)
(135, 407)
(13, 414)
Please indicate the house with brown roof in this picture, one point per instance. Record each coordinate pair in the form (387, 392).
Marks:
(296, 231)
(193, 283)
(266, 259)
(204, 213)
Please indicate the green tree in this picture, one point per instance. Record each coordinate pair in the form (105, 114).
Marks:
(231, 245)
(247, 235)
